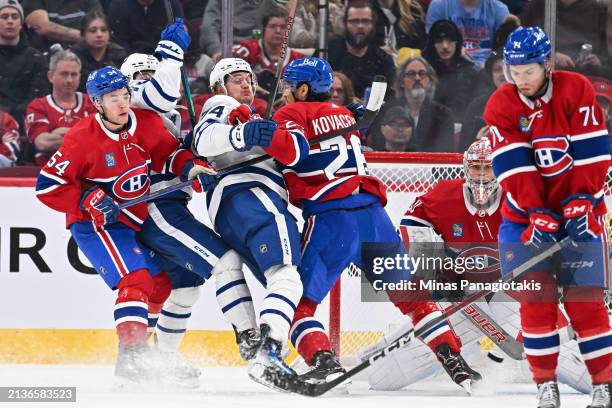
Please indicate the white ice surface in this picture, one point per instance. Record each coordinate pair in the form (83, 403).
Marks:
(230, 387)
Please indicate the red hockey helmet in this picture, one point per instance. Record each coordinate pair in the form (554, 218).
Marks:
(478, 168)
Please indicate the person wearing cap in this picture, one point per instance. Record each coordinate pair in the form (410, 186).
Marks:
(433, 122)
(395, 132)
(23, 70)
(456, 74)
(476, 19)
(473, 125)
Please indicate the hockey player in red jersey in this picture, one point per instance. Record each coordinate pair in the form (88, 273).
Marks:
(104, 160)
(551, 156)
(343, 208)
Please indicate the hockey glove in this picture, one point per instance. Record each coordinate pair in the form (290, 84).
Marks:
(542, 229)
(102, 208)
(580, 222)
(357, 109)
(202, 174)
(177, 34)
(257, 132)
(242, 114)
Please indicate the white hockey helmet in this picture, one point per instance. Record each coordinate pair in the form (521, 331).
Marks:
(135, 63)
(484, 184)
(228, 66)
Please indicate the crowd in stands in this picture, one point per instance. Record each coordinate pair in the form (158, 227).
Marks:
(442, 59)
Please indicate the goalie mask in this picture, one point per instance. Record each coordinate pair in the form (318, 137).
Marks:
(478, 168)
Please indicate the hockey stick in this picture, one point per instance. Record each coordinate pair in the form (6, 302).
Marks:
(314, 390)
(292, 5)
(377, 95)
(184, 78)
(489, 327)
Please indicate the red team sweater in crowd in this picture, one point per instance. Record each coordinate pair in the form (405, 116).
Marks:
(9, 124)
(118, 162)
(44, 115)
(327, 171)
(548, 149)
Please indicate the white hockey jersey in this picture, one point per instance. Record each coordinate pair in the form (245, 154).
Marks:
(211, 140)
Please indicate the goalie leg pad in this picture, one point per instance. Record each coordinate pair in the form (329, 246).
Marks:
(131, 307)
(592, 325)
(308, 334)
(233, 294)
(284, 290)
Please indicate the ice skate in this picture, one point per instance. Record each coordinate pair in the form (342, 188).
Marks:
(548, 395)
(175, 371)
(457, 368)
(601, 396)
(134, 366)
(324, 368)
(248, 342)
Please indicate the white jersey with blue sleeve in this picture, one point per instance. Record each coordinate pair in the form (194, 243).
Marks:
(211, 139)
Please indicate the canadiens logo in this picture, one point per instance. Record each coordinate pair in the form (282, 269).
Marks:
(487, 255)
(133, 183)
(551, 155)
(457, 230)
(109, 159)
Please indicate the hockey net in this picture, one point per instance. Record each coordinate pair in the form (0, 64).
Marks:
(354, 324)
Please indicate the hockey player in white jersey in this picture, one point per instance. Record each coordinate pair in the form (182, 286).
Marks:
(190, 251)
(248, 207)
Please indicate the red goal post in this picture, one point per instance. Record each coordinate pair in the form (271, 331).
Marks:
(352, 323)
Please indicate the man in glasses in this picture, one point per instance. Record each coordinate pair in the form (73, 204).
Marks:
(356, 54)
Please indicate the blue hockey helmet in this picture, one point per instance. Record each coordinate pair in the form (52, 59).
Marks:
(316, 72)
(103, 81)
(526, 45)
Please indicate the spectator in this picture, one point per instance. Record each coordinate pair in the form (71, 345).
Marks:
(400, 23)
(476, 19)
(473, 123)
(50, 117)
(457, 76)
(9, 132)
(355, 54)
(245, 22)
(603, 93)
(95, 50)
(395, 131)
(22, 68)
(263, 54)
(578, 22)
(137, 24)
(342, 92)
(305, 30)
(434, 123)
(56, 21)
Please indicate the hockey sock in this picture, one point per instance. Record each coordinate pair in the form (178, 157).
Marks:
(233, 294)
(590, 320)
(284, 289)
(175, 314)
(308, 334)
(131, 307)
(161, 290)
(422, 313)
(541, 339)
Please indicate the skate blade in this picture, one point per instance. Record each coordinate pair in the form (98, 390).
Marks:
(467, 386)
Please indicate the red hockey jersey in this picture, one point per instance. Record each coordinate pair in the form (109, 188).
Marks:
(330, 170)
(44, 115)
(252, 51)
(117, 162)
(466, 230)
(548, 149)
(8, 124)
